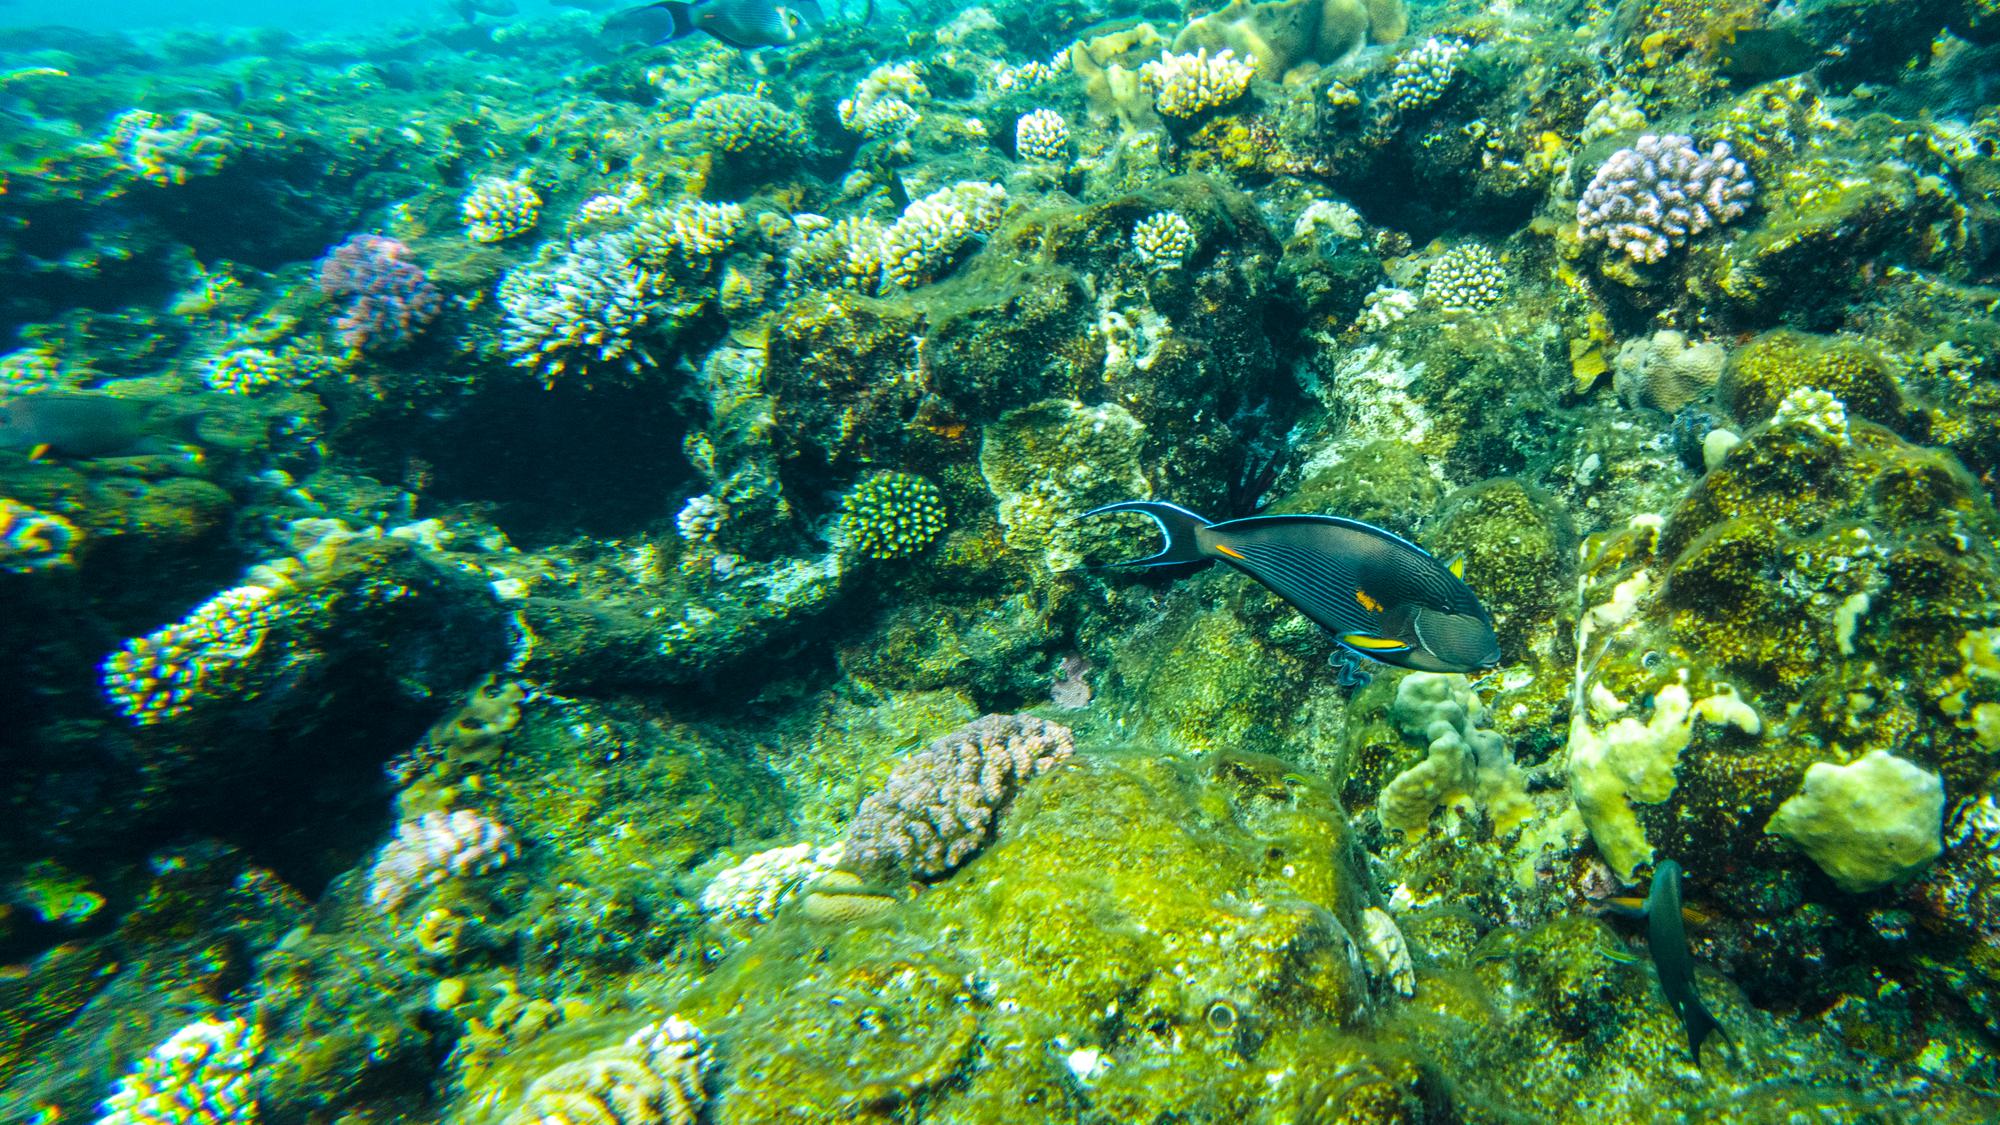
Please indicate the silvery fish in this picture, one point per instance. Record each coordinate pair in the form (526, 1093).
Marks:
(744, 24)
(1379, 595)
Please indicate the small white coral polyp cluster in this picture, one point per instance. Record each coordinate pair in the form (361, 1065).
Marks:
(496, 210)
(1163, 240)
(1041, 134)
(1187, 85)
(433, 847)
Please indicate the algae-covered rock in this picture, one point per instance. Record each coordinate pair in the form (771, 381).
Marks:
(1051, 462)
(1517, 544)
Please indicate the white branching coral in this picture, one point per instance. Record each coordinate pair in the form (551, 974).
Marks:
(496, 210)
(583, 311)
(842, 255)
(246, 371)
(1815, 409)
(201, 1075)
(932, 230)
(1384, 306)
(686, 236)
(754, 890)
(1041, 134)
(885, 103)
(1423, 74)
(434, 847)
(652, 1078)
(1466, 278)
(1163, 240)
(1185, 86)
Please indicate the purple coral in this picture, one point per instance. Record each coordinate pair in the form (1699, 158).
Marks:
(941, 804)
(1653, 197)
(389, 298)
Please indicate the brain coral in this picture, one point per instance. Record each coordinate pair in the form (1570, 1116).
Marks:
(942, 803)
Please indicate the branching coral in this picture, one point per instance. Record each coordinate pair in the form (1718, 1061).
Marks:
(890, 515)
(31, 539)
(1186, 86)
(738, 125)
(943, 803)
(842, 255)
(652, 1078)
(201, 1075)
(1661, 192)
(170, 671)
(1163, 240)
(687, 237)
(1466, 278)
(496, 210)
(1041, 134)
(193, 144)
(885, 103)
(582, 311)
(389, 299)
(932, 230)
(754, 889)
(432, 848)
(1423, 74)
(247, 371)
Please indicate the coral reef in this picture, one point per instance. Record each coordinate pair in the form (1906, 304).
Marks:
(246, 371)
(31, 539)
(1868, 823)
(583, 311)
(943, 803)
(925, 240)
(170, 152)
(1466, 278)
(653, 1078)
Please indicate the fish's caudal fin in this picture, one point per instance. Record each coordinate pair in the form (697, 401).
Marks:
(1177, 524)
(682, 23)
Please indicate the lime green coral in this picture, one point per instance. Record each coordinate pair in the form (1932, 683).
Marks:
(167, 672)
(890, 515)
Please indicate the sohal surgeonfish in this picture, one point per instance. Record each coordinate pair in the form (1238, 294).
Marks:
(744, 24)
(1379, 595)
(1666, 939)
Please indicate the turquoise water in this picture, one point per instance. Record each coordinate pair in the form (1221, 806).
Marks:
(548, 576)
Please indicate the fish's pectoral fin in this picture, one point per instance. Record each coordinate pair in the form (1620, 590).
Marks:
(1457, 566)
(40, 451)
(1370, 643)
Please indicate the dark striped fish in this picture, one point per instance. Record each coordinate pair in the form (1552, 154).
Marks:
(1379, 595)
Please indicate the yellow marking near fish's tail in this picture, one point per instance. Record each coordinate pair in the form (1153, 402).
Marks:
(1372, 642)
(1227, 551)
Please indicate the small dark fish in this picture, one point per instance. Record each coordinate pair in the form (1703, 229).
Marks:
(78, 424)
(1666, 939)
(744, 24)
(1759, 54)
(1380, 596)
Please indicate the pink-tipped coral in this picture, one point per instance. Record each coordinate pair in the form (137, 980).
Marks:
(1653, 197)
(433, 847)
(942, 803)
(389, 298)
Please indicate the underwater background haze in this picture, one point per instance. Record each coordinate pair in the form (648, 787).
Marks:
(569, 564)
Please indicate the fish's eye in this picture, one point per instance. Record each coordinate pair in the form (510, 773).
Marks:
(792, 19)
